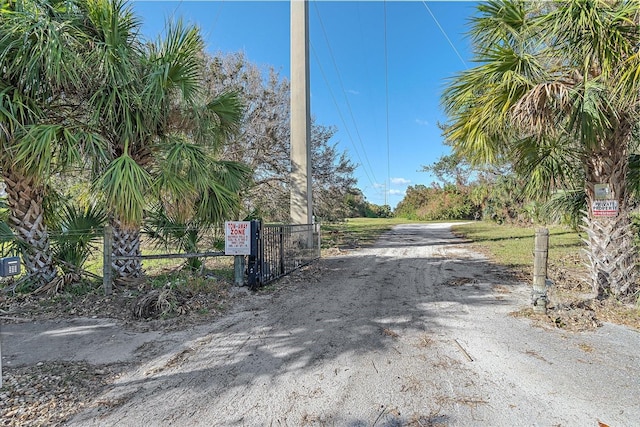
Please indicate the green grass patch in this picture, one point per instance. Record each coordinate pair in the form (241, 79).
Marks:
(513, 246)
(357, 232)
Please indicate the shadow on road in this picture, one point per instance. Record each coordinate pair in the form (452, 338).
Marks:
(316, 343)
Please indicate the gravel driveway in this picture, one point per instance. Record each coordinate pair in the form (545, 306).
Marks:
(415, 331)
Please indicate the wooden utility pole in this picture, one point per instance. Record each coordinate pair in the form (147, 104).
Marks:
(540, 257)
(301, 194)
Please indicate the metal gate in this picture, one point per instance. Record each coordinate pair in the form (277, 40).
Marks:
(277, 250)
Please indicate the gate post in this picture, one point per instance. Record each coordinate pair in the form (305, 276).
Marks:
(540, 253)
(253, 269)
(238, 270)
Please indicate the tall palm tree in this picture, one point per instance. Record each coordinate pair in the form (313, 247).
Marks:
(148, 104)
(41, 75)
(556, 93)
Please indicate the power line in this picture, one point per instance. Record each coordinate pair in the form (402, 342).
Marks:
(338, 110)
(344, 92)
(444, 33)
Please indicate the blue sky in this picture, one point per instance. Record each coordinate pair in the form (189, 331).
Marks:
(377, 71)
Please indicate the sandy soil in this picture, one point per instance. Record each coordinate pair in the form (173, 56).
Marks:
(415, 331)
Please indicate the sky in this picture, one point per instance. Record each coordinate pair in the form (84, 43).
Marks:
(377, 71)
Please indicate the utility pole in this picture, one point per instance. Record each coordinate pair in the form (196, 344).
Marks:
(301, 193)
(386, 192)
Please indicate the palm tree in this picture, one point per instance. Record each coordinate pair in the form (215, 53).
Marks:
(76, 228)
(556, 93)
(41, 74)
(148, 104)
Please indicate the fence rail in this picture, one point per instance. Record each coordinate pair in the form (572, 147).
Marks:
(277, 250)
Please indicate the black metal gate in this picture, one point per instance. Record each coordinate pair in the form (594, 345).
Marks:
(277, 250)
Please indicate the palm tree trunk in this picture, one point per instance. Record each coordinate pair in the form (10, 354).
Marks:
(610, 250)
(126, 244)
(26, 217)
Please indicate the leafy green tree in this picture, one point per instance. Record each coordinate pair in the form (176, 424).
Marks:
(435, 203)
(556, 95)
(262, 140)
(42, 80)
(162, 133)
(451, 168)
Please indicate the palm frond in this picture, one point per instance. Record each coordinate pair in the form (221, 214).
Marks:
(123, 185)
(498, 21)
(177, 63)
(540, 109)
(39, 48)
(226, 111)
(233, 175)
(547, 164)
(566, 207)
(218, 204)
(33, 153)
(75, 233)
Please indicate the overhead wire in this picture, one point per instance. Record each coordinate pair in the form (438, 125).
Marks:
(444, 33)
(335, 102)
(344, 92)
(212, 26)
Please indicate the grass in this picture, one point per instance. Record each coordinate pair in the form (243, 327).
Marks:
(357, 232)
(513, 246)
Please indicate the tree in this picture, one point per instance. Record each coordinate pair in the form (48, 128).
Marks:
(162, 133)
(332, 175)
(263, 143)
(556, 94)
(41, 81)
(262, 140)
(451, 167)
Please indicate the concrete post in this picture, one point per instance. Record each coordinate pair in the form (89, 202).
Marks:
(238, 270)
(301, 208)
(540, 257)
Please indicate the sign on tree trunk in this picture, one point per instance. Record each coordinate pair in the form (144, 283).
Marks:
(604, 208)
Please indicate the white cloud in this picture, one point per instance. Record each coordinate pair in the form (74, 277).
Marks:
(377, 185)
(396, 192)
(422, 122)
(400, 181)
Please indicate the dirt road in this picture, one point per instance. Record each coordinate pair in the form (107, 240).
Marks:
(415, 331)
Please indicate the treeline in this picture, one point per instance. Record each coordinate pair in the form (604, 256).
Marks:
(463, 191)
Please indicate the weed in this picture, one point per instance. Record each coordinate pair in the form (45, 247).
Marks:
(585, 347)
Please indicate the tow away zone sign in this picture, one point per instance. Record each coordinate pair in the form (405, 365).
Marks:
(604, 208)
(237, 238)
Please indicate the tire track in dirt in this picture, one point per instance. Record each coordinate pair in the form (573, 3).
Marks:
(410, 332)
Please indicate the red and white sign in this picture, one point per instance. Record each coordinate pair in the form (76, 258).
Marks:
(604, 208)
(237, 238)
